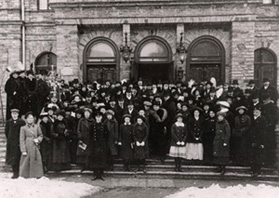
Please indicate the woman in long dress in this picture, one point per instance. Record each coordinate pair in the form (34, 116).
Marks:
(31, 136)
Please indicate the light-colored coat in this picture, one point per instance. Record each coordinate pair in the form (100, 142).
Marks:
(30, 164)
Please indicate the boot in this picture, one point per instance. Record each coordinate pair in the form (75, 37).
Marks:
(15, 172)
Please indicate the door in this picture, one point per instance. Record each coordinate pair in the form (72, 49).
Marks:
(154, 72)
(102, 73)
(203, 72)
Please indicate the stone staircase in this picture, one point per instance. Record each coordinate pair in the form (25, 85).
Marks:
(155, 169)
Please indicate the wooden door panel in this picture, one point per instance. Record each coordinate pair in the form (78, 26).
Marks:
(212, 71)
(109, 74)
(196, 73)
(93, 74)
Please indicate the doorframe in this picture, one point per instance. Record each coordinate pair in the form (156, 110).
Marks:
(101, 39)
(219, 44)
(137, 62)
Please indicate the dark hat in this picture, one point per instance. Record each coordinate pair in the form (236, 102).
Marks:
(140, 117)
(51, 107)
(241, 107)
(258, 107)
(14, 110)
(87, 109)
(30, 72)
(198, 109)
(130, 103)
(126, 116)
(61, 113)
(266, 80)
(75, 81)
(43, 114)
(212, 90)
(157, 103)
(209, 83)
(251, 82)
(28, 113)
(184, 104)
(79, 111)
(235, 82)
(110, 111)
(179, 115)
(97, 114)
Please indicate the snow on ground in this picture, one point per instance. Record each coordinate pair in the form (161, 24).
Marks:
(42, 188)
(239, 191)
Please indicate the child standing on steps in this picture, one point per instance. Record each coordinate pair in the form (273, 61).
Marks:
(178, 141)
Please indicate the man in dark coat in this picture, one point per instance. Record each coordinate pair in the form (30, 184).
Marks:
(12, 89)
(43, 91)
(32, 97)
(99, 147)
(258, 141)
(269, 111)
(12, 130)
(23, 92)
(267, 88)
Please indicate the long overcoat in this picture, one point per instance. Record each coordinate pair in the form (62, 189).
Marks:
(258, 140)
(195, 130)
(222, 136)
(12, 131)
(46, 144)
(99, 146)
(12, 88)
(61, 151)
(112, 137)
(83, 130)
(126, 138)
(31, 164)
(140, 134)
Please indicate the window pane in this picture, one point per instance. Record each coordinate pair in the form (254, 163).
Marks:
(101, 50)
(153, 50)
(206, 48)
(264, 56)
(43, 4)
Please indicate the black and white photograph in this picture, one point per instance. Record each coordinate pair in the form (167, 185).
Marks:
(139, 98)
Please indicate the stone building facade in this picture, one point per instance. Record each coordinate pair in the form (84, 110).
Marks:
(236, 39)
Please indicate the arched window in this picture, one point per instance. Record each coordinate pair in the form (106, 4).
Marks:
(45, 61)
(153, 51)
(265, 62)
(101, 60)
(206, 59)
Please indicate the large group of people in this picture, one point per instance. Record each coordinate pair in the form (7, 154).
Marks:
(52, 124)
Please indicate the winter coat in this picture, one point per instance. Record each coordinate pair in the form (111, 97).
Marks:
(46, 144)
(99, 146)
(258, 139)
(178, 134)
(12, 88)
(12, 132)
(222, 136)
(242, 124)
(84, 130)
(31, 164)
(195, 130)
(61, 151)
(126, 139)
(140, 134)
(112, 137)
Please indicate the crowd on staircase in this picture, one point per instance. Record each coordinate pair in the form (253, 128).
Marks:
(52, 124)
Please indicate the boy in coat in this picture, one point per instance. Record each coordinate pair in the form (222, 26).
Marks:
(12, 131)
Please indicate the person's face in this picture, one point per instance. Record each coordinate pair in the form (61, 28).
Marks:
(128, 94)
(15, 115)
(178, 105)
(30, 76)
(86, 114)
(241, 111)
(60, 117)
(229, 100)
(190, 102)
(184, 108)
(78, 115)
(83, 88)
(50, 112)
(121, 103)
(156, 107)
(103, 110)
(140, 83)
(112, 104)
(179, 119)
(15, 75)
(65, 104)
(109, 116)
(45, 119)
(77, 99)
(141, 113)
(166, 86)
(88, 99)
(154, 86)
(255, 100)
(139, 121)
(266, 84)
(146, 107)
(130, 106)
(206, 107)
(220, 117)
(211, 114)
(212, 94)
(196, 113)
(98, 118)
(208, 86)
(53, 99)
(127, 120)
(257, 112)
(30, 119)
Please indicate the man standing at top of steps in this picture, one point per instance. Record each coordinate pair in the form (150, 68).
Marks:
(12, 130)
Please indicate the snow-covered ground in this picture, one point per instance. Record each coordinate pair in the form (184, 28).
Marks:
(42, 188)
(239, 191)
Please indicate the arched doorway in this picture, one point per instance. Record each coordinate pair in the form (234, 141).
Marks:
(45, 62)
(153, 60)
(206, 59)
(101, 60)
(265, 62)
